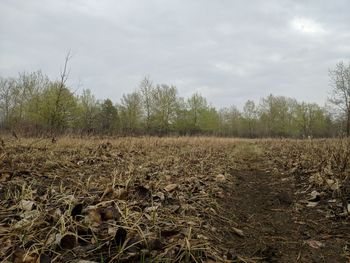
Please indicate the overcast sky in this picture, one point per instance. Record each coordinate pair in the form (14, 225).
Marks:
(227, 50)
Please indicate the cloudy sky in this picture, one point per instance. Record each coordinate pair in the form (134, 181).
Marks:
(227, 50)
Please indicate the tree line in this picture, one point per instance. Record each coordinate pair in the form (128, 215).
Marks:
(33, 105)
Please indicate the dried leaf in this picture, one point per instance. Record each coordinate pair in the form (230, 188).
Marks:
(159, 196)
(4, 177)
(93, 218)
(21, 256)
(220, 178)
(315, 244)
(315, 196)
(112, 230)
(238, 231)
(68, 241)
(312, 204)
(200, 236)
(109, 213)
(120, 194)
(316, 179)
(333, 184)
(170, 187)
(151, 209)
(26, 205)
(109, 191)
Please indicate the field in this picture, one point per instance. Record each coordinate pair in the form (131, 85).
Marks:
(174, 200)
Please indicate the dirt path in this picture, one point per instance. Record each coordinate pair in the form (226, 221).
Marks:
(277, 226)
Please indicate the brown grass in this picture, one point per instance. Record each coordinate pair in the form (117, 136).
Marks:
(135, 199)
(160, 196)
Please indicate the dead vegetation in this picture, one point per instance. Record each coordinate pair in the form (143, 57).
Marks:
(119, 200)
(323, 166)
(154, 199)
(317, 174)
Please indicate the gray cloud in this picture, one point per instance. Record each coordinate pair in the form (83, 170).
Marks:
(230, 51)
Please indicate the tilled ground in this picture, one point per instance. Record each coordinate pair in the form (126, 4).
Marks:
(164, 200)
(279, 227)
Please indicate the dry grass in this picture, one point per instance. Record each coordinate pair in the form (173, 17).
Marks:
(322, 158)
(137, 199)
(118, 199)
(324, 165)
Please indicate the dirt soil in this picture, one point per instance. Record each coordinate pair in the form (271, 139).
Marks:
(277, 226)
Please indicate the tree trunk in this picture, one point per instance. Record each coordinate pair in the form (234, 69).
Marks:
(348, 124)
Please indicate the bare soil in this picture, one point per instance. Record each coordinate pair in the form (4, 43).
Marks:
(271, 211)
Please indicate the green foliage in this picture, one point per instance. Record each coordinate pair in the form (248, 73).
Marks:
(108, 117)
(164, 106)
(230, 122)
(208, 121)
(87, 112)
(130, 113)
(57, 108)
(33, 104)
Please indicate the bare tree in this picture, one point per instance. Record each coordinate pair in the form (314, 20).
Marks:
(146, 88)
(250, 115)
(55, 122)
(340, 81)
(6, 87)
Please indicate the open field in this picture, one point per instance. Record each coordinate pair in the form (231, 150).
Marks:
(174, 199)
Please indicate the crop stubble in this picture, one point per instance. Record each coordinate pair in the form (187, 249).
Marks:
(173, 199)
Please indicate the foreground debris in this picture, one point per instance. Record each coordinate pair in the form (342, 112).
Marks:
(174, 200)
(119, 200)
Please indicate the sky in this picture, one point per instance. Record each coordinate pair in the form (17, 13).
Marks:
(227, 50)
